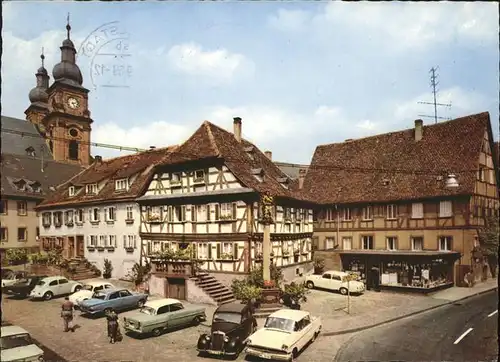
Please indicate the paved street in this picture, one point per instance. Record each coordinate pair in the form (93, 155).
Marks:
(89, 342)
(437, 335)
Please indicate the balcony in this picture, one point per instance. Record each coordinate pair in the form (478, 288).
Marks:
(173, 268)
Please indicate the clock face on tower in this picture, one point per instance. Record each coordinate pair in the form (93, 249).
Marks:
(73, 103)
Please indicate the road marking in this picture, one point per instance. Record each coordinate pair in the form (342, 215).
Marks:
(463, 335)
(493, 313)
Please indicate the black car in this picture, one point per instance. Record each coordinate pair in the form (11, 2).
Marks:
(5, 272)
(24, 286)
(232, 323)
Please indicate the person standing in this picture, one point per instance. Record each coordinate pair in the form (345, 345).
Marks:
(67, 314)
(112, 319)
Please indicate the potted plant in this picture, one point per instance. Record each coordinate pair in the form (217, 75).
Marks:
(108, 268)
(294, 294)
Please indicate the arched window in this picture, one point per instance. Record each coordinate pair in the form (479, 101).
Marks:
(73, 150)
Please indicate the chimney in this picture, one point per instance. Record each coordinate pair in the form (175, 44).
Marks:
(302, 176)
(237, 128)
(97, 159)
(269, 155)
(419, 129)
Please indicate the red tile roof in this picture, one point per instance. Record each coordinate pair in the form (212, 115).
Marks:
(357, 170)
(140, 164)
(210, 140)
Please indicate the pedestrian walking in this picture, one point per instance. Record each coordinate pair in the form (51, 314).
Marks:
(113, 328)
(67, 315)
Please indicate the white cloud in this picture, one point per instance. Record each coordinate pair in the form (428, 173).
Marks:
(290, 20)
(158, 134)
(462, 103)
(218, 64)
(397, 26)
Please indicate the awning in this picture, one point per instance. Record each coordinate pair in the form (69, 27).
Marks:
(421, 253)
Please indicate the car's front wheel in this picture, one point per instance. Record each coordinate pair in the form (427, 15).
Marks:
(343, 291)
(196, 320)
(156, 332)
(48, 295)
(77, 288)
(310, 285)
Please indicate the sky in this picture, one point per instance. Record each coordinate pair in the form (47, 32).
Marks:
(299, 74)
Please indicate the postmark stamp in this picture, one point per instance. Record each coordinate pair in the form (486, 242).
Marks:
(107, 49)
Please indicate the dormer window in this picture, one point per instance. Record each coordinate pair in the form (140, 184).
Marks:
(249, 152)
(121, 185)
(258, 173)
(36, 187)
(71, 191)
(91, 189)
(20, 185)
(30, 151)
(283, 182)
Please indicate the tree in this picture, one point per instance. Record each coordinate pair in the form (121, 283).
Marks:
(488, 241)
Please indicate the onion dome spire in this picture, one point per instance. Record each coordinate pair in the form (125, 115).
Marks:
(39, 93)
(67, 70)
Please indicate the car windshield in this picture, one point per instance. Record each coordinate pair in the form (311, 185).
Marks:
(40, 283)
(147, 310)
(6, 273)
(88, 287)
(17, 340)
(282, 324)
(228, 317)
(99, 296)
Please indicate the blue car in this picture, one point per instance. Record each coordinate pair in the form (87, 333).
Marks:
(114, 299)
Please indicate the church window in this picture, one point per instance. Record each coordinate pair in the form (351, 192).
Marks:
(73, 150)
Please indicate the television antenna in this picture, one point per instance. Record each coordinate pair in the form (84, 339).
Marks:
(434, 83)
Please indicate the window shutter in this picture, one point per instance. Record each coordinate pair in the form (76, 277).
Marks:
(208, 212)
(235, 215)
(88, 240)
(106, 214)
(114, 213)
(183, 212)
(193, 212)
(90, 214)
(235, 251)
(98, 214)
(115, 242)
(209, 251)
(124, 241)
(135, 241)
(218, 250)
(217, 212)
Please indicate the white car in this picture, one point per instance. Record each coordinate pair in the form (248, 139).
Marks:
(88, 290)
(16, 345)
(285, 333)
(13, 277)
(335, 280)
(50, 287)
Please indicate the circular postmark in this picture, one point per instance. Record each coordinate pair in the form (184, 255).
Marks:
(107, 49)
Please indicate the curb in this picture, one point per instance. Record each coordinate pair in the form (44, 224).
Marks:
(354, 330)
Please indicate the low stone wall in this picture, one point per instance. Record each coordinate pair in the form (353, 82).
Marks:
(156, 285)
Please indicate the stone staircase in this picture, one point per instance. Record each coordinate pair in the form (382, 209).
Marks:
(214, 288)
(81, 271)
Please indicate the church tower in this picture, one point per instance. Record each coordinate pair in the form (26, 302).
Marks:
(68, 122)
(38, 96)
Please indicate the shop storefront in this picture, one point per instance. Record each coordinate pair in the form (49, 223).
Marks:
(424, 271)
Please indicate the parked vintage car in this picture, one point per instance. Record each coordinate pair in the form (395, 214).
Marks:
(13, 277)
(285, 333)
(88, 290)
(23, 287)
(54, 286)
(104, 301)
(335, 280)
(160, 315)
(16, 345)
(5, 271)
(232, 323)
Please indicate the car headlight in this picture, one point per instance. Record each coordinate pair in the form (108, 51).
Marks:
(207, 337)
(284, 347)
(226, 339)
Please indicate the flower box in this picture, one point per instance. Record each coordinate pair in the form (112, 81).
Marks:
(199, 180)
(129, 221)
(129, 250)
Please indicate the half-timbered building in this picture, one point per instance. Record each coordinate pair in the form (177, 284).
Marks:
(403, 209)
(94, 215)
(205, 199)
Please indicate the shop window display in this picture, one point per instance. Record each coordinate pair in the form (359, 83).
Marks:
(416, 275)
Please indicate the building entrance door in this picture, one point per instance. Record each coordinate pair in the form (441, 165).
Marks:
(71, 247)
(175, 288)
(80, 246)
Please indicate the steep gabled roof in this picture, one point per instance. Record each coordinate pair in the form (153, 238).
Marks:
(394, 166)
(210, 141)
(140, 165)
(39, 176)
